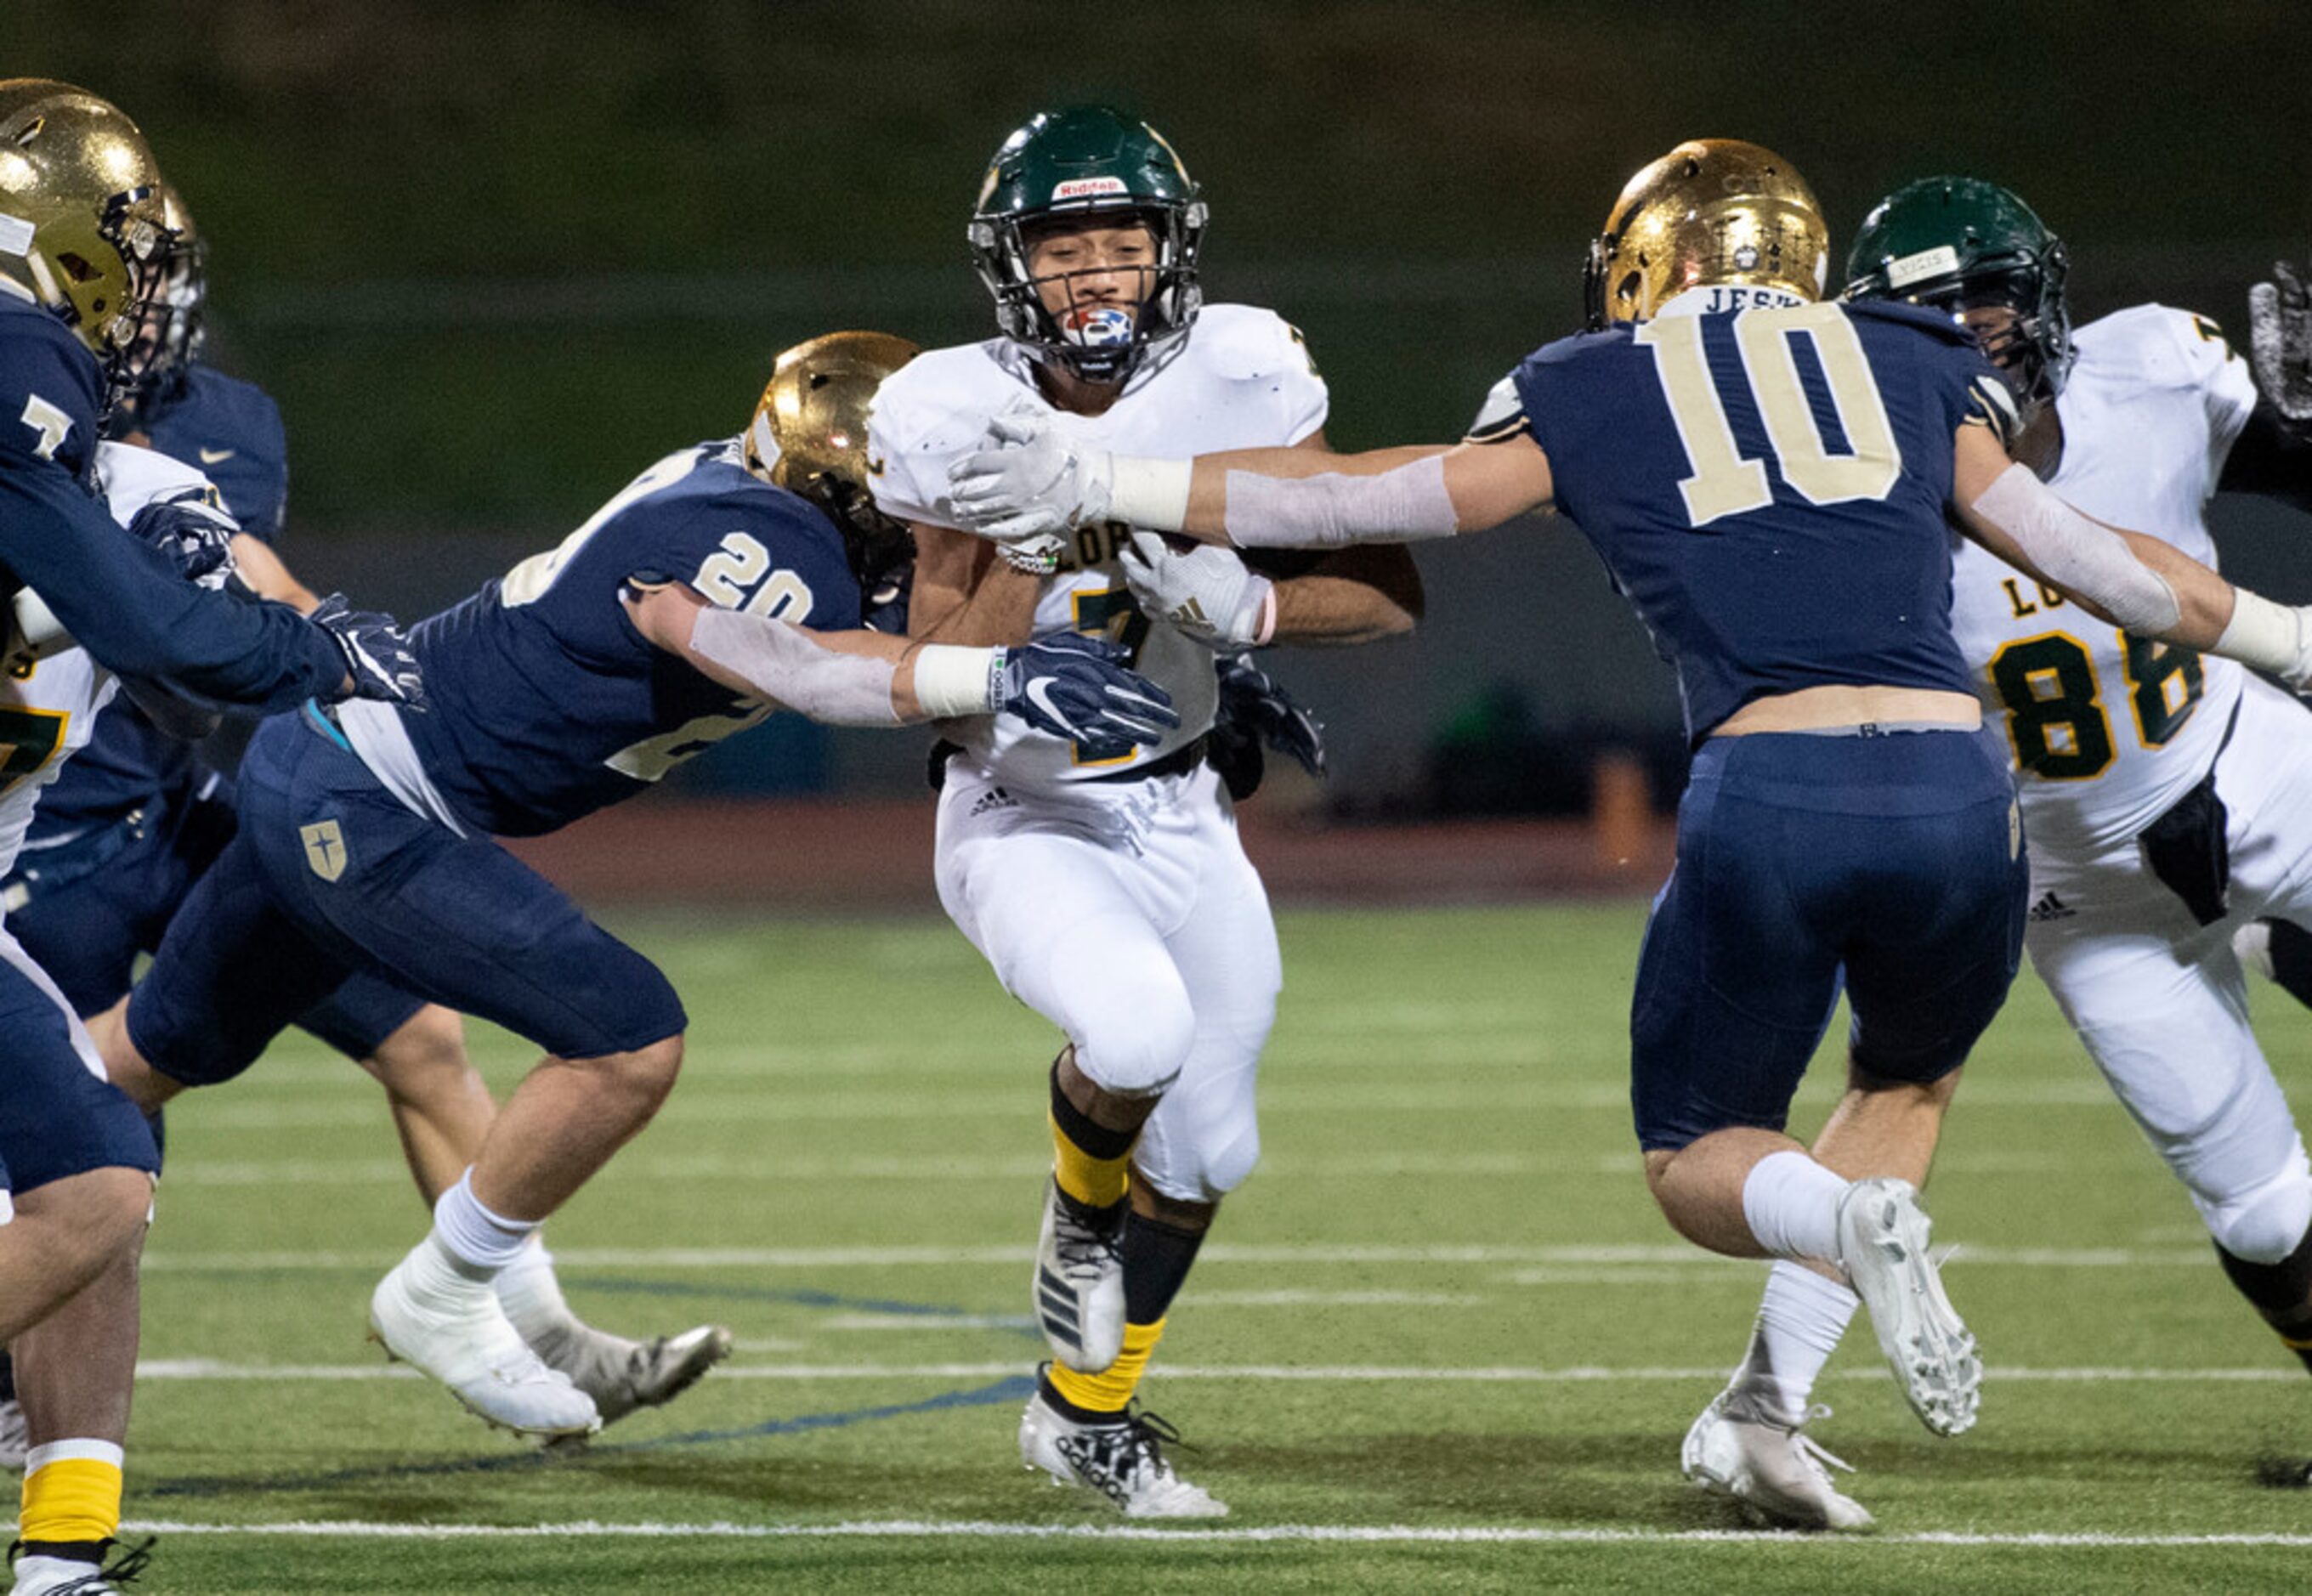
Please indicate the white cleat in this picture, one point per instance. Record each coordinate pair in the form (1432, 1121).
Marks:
(1078, 1290)
(74, 1576)
(14, 1440)
(622, 1375)
(425, 1313)
(1123, 1461)
(1882, 1245)
(1739, 1449)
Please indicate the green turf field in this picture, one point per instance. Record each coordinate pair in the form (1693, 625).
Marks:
(1443, 1339)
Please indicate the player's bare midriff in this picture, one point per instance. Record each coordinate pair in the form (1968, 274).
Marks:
(1810, 709)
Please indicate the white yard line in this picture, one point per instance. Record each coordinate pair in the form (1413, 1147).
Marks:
(217, 1369)
(1353, 1534)
(1651, 1255)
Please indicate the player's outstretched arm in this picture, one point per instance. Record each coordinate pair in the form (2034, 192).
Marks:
(124, 602)
(1070, 685)
(1032, 479)
(1304, 596)
(2149, 588)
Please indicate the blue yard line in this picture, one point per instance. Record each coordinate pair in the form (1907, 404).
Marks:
(801, 1298)
(1011, 1388)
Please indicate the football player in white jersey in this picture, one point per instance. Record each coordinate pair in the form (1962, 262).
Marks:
(1112, 895)
(2166, 793)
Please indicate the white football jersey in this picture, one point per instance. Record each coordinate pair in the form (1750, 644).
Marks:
(2109, 731)
(1242, 380)
(47, 707)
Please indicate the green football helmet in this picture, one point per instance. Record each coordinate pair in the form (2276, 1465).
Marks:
(1961, 244)
(1089, 163)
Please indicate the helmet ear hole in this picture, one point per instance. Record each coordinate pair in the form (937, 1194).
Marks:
(32, 130)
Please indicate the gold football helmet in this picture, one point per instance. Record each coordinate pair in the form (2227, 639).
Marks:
(808, 435)
(1711, 210)
(81, 227)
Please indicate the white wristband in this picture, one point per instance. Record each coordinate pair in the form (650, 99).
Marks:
(1146, 492)
(952, 681)
(2263, 636)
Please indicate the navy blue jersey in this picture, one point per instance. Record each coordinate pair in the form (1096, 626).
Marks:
(230, 432)
(545, 703)
(123, 600)
(1767, 487)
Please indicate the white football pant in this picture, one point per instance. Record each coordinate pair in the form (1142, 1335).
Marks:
(1127, 915)
(2161, 1001)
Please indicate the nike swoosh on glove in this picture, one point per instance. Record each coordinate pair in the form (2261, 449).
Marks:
(378, 657)
(1077, 687)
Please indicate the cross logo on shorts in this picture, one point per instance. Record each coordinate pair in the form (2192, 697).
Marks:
(325, 849)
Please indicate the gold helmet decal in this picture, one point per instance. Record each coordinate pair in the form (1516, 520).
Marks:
(1712, 210)
(82, 225)
(811, 420)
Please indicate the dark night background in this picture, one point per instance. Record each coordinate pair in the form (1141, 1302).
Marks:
(493, 259)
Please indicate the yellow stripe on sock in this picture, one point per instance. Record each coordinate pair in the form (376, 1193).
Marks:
(1096, 1182)
(1110, 1390)
(72, 1499)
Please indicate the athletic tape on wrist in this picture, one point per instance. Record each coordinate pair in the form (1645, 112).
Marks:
(1145, 492)
(2263, 635)
(1404, 505)
(952, 681)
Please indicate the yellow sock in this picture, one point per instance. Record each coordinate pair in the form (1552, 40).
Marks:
(1096, 1182)
(71, 1497)
(1110, 1390)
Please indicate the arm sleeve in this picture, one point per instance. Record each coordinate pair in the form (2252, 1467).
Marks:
(126, 605)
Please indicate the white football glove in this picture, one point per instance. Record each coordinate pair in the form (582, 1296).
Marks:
(1207, 593)
(2279, 341)
(1029, 478)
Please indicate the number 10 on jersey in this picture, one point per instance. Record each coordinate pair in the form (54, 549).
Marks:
(1724, 483)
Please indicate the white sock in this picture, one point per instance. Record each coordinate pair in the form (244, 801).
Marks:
(531, 1294)
(77, 1449)
(1800, 1319)
(482, 1242)
(1791, 1204)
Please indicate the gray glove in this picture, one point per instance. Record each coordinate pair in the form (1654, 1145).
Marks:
(2279, 341)
(1207, 593)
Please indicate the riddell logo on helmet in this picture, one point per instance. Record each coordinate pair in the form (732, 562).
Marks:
(1085, 188)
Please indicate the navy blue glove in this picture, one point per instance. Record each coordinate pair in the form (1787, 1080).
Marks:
(1254, 711)
(185, 529)
(378, 657)
(1076, 687)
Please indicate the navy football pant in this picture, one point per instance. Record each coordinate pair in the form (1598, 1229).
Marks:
(1893, 863)
(329, 874)
(89, 906)
(57, 1118)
